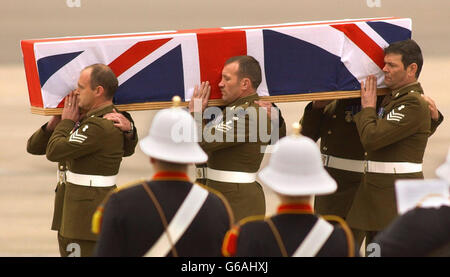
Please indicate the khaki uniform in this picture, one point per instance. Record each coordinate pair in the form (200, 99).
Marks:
(96, 147)
(398, 134)
(241, 153)
(339, 138)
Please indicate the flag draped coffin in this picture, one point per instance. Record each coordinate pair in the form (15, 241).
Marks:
(296, 59)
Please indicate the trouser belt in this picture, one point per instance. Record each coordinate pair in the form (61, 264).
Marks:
(371, 166)
(343, 164)
(90, 180)
(225, 176)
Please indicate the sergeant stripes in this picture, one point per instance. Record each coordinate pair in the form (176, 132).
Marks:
(75, 137)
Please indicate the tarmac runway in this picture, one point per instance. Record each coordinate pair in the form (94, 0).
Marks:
(27, 182)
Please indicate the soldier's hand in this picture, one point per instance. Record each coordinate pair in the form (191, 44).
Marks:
(199, 100)
(51, 125)
(119, 120)
(71, 110)
(369, 92)
(432, 106)
(268, 107)
(319, 104)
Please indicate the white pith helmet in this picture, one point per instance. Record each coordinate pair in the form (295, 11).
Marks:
(173, 137)
(295, 168)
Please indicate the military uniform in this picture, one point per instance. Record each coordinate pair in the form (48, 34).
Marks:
(132, 224)
(341, 148)
(200, 170)
(282, 234)
(37, 145)
(418, 233)
(234, 161)
(92, 153)
(395, 141)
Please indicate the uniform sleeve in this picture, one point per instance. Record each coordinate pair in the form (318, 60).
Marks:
(64, 145)
(436, 123)
(37, 143)
(311, 122)
(275, 136)
(129, 143)
(111, 236)
(236, 130)
(405, 119)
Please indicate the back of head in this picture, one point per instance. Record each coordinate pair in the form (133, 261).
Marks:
(102, 75)
(173, 138)
(410, 51)
(296, 169)
(248, 68)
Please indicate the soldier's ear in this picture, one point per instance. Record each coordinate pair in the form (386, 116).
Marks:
(100, 91)
(245, 83)
(412, 69)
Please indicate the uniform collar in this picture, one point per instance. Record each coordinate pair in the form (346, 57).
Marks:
(100, 111)
(295, 208)
(170, 175)
(412, 87)
(245, 100)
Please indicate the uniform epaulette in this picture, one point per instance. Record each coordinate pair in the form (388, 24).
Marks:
(229, 245)
(348, 232)
(97, 218)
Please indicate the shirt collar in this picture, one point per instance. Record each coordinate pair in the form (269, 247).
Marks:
(249, 99)
(295, 208)
(170, 175)
(100, 111)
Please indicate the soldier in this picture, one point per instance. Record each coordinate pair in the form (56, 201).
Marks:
(295, 173)
(277, 121)
(394, 138)
(233, 139)
(341, 148)
(167, 216)
(91, 150)
(424, 230)
(37, 145)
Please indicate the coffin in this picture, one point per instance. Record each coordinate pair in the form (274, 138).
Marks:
(300, 61)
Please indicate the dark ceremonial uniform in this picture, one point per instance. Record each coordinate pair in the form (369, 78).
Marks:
(132, 222)
(92, 153)
(418, 233)
(282, 234)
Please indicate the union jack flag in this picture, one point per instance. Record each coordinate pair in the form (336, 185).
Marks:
(295, 58)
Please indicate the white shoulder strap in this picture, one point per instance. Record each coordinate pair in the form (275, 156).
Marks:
(314, 241)
(180, 222)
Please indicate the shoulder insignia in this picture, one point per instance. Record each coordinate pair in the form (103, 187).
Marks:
(75, 137)
(224, 126)
(85, 128)
(229, 245)
(395, 116)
